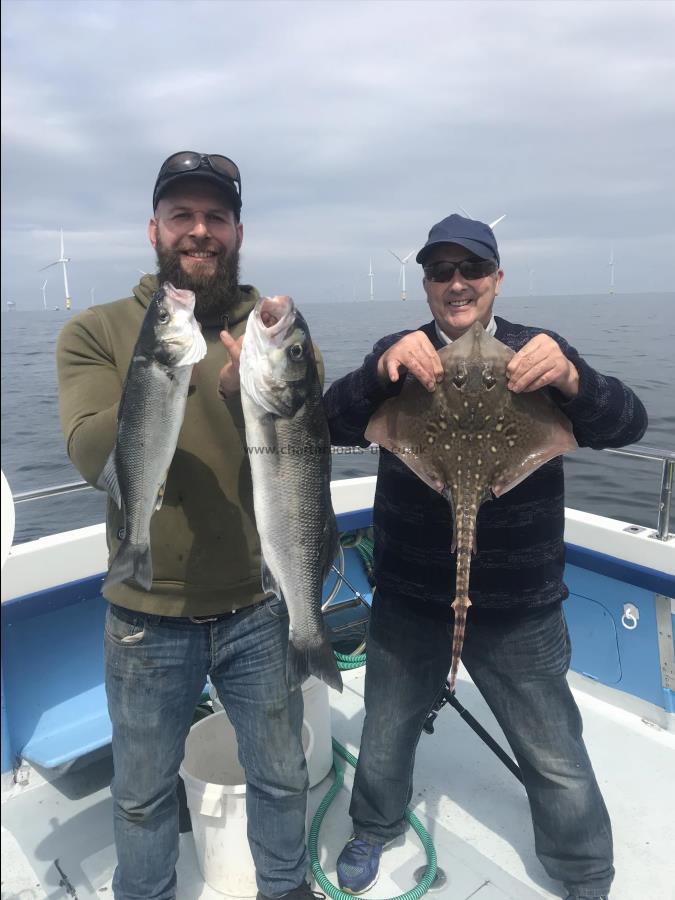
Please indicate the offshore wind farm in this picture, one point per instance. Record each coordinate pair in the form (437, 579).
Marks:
(391, 283)
(63, 260)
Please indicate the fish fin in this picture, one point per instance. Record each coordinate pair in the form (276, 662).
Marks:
(108, 482)
(131, 561)
(447, 493)
(460, 606)
(330, 543)
(549, 435)
(269, 583)
(319, 661)
(160, 495)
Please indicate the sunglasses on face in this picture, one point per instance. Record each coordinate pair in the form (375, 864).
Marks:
(470, 269)
(188, 161)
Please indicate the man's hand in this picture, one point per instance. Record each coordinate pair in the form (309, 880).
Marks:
(228, 380)
(541, 363)
(414, 353)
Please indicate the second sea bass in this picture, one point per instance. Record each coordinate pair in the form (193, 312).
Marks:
(148, 424)
(289, 449)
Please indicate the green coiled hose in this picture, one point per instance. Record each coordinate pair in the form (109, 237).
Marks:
(313, 843)
(360, 541)
(365, 547)
(346, 661)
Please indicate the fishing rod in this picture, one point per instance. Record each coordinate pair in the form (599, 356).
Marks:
(448, 697)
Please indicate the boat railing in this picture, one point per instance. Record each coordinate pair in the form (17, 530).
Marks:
(665, 457)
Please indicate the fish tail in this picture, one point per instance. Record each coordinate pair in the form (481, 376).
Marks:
(465, 531)
(131, 561)
(301, 662)
(460, 606)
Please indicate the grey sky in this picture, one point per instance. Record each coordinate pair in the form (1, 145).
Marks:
(356, 127)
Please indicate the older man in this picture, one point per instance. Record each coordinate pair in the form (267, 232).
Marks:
(206, 613)
(517, 648)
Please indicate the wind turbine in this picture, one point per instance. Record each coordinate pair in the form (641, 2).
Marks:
(63, 259)
(44, 295)
(469, 216)
(402, 273)
(371, 275)
(91, 294)
(611, 270)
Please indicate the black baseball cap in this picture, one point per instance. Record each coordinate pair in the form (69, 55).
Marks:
(212, 167)
(476, 236)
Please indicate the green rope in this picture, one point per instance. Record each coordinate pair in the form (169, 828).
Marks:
(313, 843)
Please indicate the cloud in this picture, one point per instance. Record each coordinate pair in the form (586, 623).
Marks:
(356, 126)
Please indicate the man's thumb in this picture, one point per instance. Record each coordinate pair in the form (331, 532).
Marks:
(232, 345)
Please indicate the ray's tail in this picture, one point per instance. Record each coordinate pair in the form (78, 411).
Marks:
(465, 531)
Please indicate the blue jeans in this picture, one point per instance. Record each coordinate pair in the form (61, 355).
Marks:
(519, 665)
(156, 669)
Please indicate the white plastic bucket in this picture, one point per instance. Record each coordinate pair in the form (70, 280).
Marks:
(317, 716)
(215, 786)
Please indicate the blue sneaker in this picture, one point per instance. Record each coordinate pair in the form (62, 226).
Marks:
(358, 866)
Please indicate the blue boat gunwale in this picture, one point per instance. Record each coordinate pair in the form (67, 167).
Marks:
(97, 733)
(628, 572)
(28, 605)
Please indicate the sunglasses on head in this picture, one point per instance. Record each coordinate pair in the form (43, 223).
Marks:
(442, 272)
(188, 161)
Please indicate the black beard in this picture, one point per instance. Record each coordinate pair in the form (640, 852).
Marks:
(214, 294)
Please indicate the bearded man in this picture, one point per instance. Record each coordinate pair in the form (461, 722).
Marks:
(206, 612)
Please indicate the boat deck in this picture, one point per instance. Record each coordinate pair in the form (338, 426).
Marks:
(58, 842)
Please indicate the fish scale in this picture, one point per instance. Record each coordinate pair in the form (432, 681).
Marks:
(289, 450)
(478, 440)
(149, 421)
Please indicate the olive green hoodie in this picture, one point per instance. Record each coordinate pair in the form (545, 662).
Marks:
(205, 547)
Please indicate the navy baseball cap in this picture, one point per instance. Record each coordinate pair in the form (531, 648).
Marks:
(475, 236)
(212, 167)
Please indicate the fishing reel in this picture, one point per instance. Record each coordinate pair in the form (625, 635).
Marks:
(446, 696)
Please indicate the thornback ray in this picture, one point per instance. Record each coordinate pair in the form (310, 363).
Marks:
(469, 439)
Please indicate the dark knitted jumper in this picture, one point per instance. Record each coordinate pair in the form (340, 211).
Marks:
(520, 559)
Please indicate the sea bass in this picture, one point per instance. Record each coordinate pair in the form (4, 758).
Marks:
(470, 438)
(289, 449)
(149, 420)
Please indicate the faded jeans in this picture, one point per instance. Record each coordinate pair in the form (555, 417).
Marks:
(156, 669)
(518, 664)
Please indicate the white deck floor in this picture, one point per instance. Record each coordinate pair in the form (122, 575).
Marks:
(57, 838)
